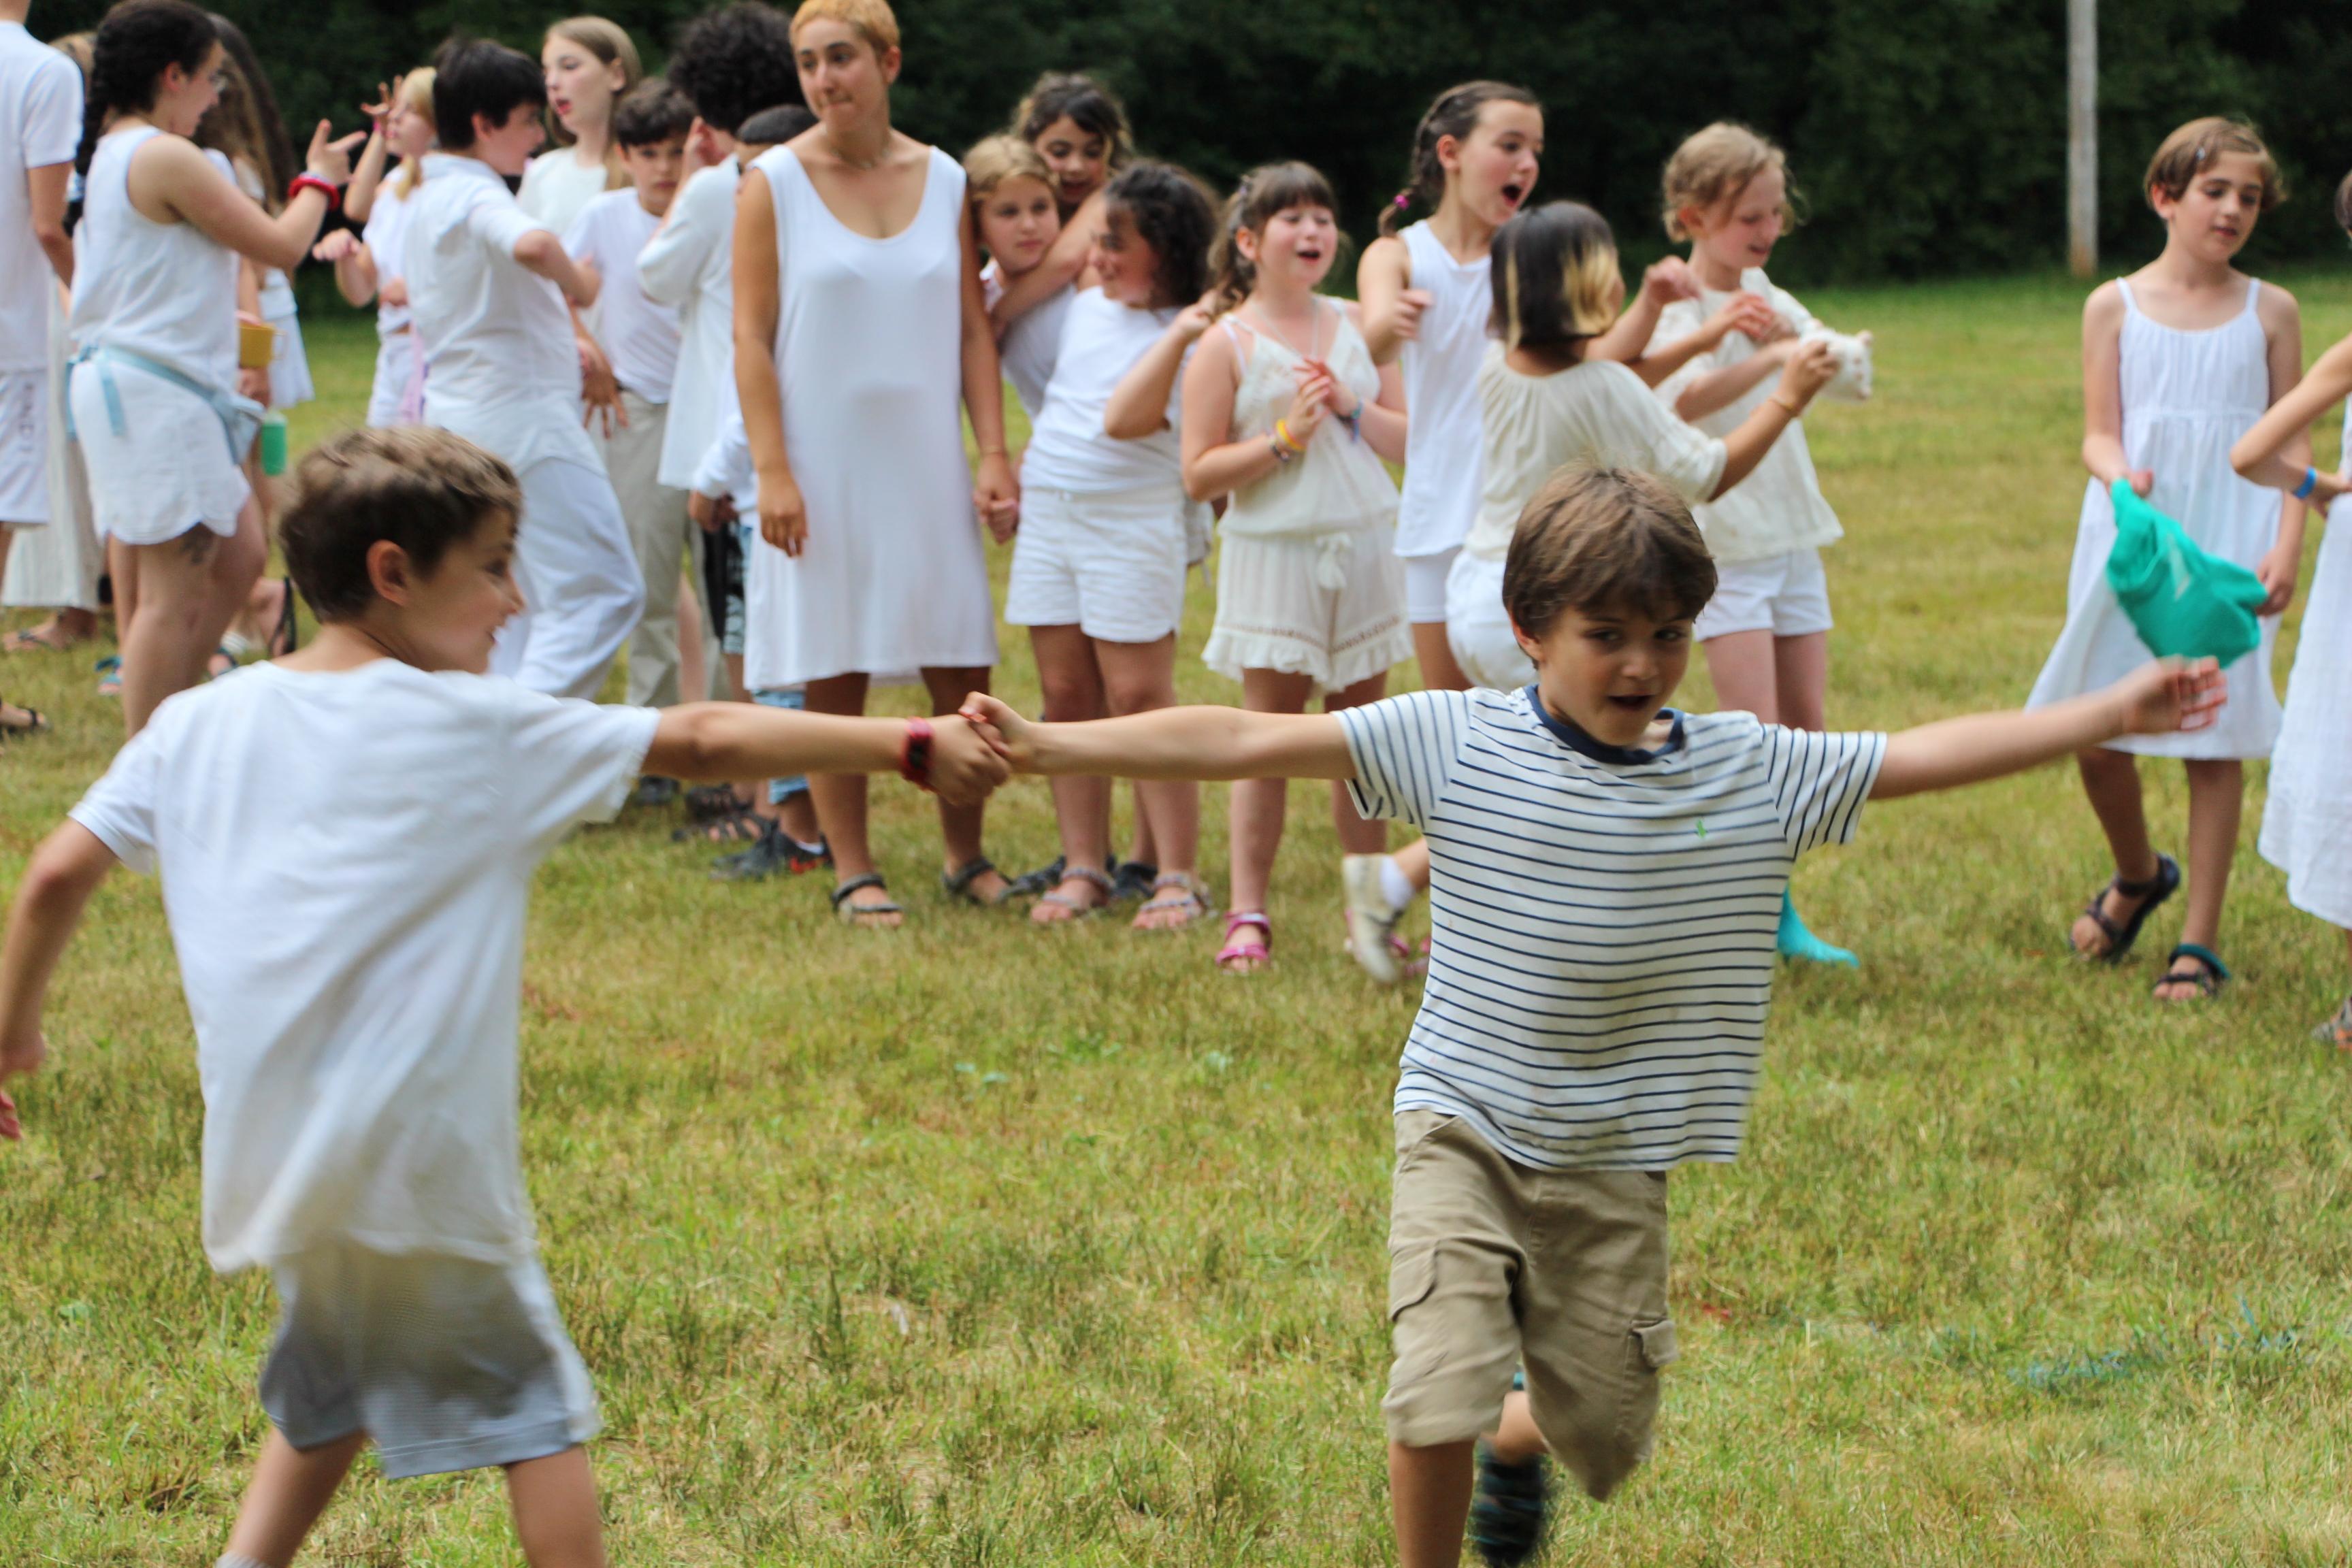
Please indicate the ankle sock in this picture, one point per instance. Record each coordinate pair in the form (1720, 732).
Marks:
(1395, 886)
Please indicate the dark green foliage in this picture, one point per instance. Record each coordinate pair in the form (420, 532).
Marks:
(1929, 135)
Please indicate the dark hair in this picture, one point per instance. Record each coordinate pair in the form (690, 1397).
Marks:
(1551, 273)
(134, 44)
(1605, 539)
(1171, 212)
(245, 123)
(652, 111)
(770, 127)
(420, 488)
(474, 76)
(1455, 112)
(1084, 103)
(1264, 191)
(734, 62)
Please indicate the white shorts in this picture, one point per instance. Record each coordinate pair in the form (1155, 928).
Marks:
(23, 448)
(1331, 609)
(1478, 628)
(446, 1364)
(168, 472)
(1110, 565)
(1787, 595)
(1425, 586)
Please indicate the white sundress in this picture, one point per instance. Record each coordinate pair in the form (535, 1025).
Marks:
(2307, 821)
(2187, 398)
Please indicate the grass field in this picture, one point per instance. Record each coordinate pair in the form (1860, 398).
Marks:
(970, 1245)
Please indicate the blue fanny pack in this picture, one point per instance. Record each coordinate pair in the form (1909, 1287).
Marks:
(240, 417)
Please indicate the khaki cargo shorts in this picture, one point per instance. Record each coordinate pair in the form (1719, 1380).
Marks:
(1494, 1265)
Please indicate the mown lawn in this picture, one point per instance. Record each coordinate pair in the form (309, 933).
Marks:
(971, 1245)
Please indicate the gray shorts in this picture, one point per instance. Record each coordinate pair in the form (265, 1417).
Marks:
(445, 1362)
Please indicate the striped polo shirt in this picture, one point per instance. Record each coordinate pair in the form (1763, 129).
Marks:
(1604, 919)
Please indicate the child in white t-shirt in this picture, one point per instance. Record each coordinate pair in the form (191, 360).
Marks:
(1012, 195)
(356, 1033)
(1607, 879)
(371, 264)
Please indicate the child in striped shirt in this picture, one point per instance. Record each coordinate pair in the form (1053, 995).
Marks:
(1606, 890)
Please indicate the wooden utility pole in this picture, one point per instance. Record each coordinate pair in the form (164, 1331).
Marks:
(2083, 136)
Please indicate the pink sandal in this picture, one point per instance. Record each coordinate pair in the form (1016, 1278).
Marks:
(1245, 950)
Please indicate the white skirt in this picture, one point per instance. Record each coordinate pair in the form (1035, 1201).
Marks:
(397, 395)
(290, 367)
(169, 471)
(2307, 822)
(1330, 608)
(2099, 648)
(1477, 627)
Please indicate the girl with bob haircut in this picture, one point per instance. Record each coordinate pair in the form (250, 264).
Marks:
(153, 392)
(850, 364)
(2180, 360)
(1285, 413)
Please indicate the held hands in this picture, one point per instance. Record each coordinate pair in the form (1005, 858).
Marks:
(965, 768)
(328, 159)
(1012, 737)
(2170, 694)
(1747, 315)
(996, 497)
(1410, 303)
(1810, 367)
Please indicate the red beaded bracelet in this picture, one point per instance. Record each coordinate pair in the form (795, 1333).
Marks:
(914, 754)
(312, 182)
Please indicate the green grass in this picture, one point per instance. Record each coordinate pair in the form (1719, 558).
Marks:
(971, 1245)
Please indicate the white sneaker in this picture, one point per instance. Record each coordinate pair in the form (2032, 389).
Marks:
(1372, 919)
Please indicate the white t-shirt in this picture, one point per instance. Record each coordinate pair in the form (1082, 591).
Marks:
(1602, 919)
(726, 466)
(385, 234)
(346, 862)
(1594, 411)
(1028, 349)
(1068, 450)
(690, 266)
(40, 124)
(639, 336)
(556, 186)
(1779, 507)
(501, 368)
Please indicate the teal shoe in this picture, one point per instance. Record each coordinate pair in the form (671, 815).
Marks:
(1508, 1508)
(1802, 946)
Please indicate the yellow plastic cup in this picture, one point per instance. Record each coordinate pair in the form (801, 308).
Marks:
(257, 346)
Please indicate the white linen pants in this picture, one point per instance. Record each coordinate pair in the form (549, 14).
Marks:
(665, 539)
(579, 577)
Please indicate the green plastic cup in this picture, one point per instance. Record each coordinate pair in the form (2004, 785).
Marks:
(273, 443)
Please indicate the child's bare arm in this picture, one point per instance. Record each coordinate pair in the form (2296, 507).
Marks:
(540, 251)
(2262, 454)
(66, 869)
(1139, 404)
(1172, 743)
(744, 741)
(2155, 700)
(2103, 393)
(1391, 305)
(1063, 263)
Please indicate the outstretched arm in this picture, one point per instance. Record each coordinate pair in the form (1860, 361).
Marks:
(66, 869)
(2155, 700)
(744, 741)
(1170, 743)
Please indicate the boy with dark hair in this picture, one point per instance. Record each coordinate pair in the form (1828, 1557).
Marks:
(640, 337)
(347, 838)
(1605, 896)
(488, 291)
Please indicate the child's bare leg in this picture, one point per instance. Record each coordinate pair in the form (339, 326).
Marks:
(840, 798)
(1514, 1438)
(189, 588)
(1439, 672)
(554, 1502)
(2216, 800)
(1255, 805)
(291, 1488)
(1429, 1498)
(2111, 780)
(960, 825)
(1071, 684)
(1801, 679)
(1746, 674)
(1137, 677)
(1357, 835)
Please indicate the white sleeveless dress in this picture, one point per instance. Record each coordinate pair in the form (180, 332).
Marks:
(165, 292)
(869, 355)
(1309, 583)
(1440, 366)
(2187, 398)
(2307, 821)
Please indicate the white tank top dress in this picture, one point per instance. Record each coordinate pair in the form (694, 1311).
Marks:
(155, 451)
(870, 358)
(2187, 398)
(1338, 485)
(1440, 367)
(2307, 820)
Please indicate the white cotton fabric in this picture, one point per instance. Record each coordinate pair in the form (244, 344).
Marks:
(56, 567)
(1330, 608)
(869, 358)
(40, 126)
(577, 566)
(397, 394)
(169, 471)
(1602, 920)
(638, 335)
(1786, 594)
(1068, 450)
(690, 266)
(1477, 627)
(1425, 584)
(2187, 398)
(1596, 411)
(1029, 347)
(346, 861)
(1778, 506)
(1109, 564)
(23, 449)
(1339, 484)
(2307, 819)
(556, 187)
(500, 365)
(160, 289)
(1443, 449)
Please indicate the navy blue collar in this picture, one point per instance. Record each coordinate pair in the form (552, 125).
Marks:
(1576, 739)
